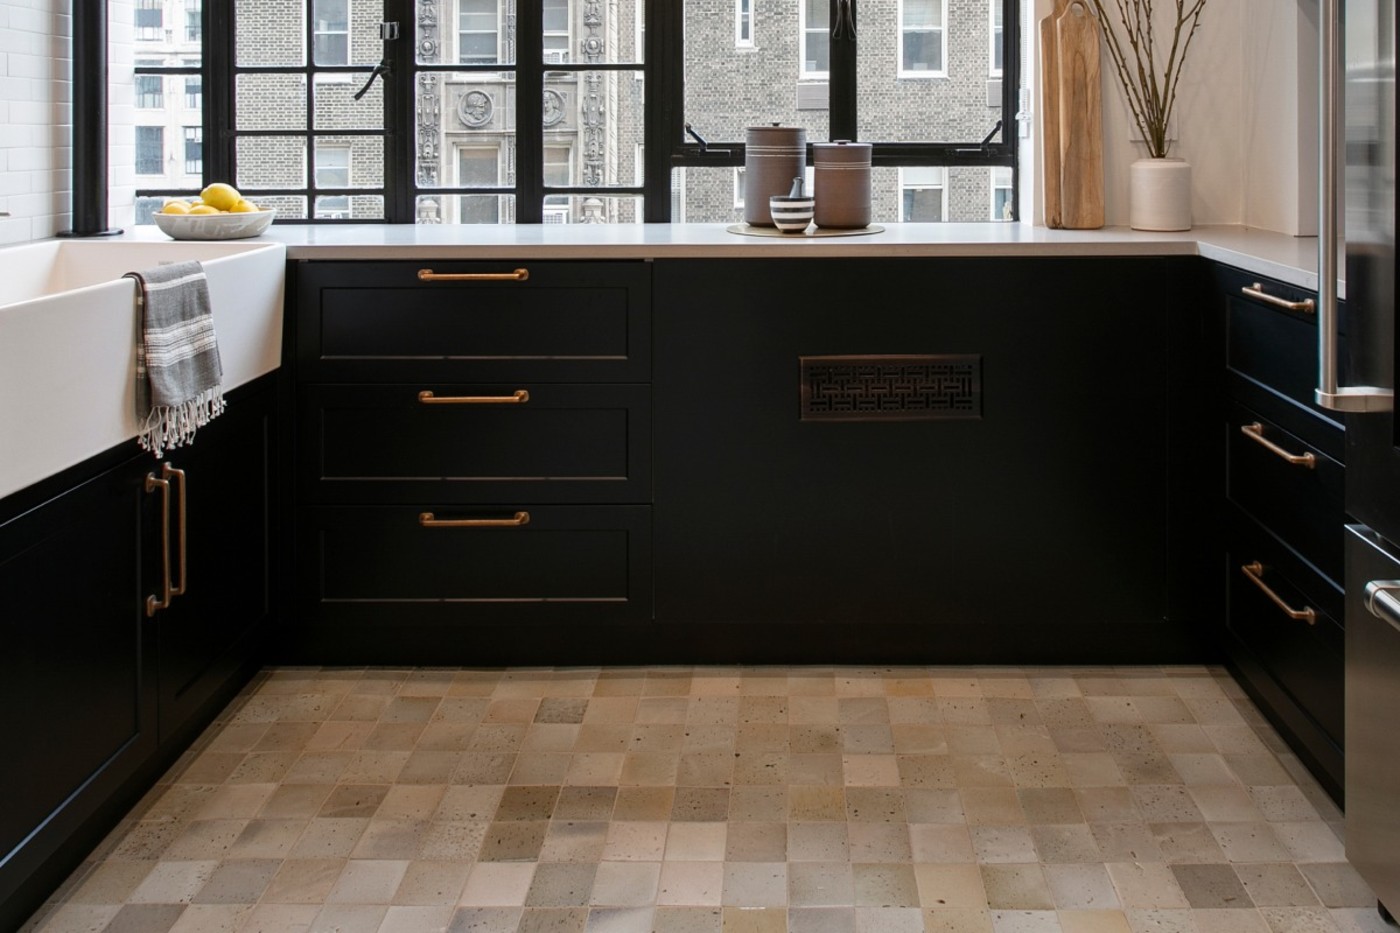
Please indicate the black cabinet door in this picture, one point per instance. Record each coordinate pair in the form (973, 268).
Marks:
(77, 695)
(210, 632)
(1036, 529)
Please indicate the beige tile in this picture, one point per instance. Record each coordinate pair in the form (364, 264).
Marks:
(755, 884)
(956, 920)
(885, 885)
(643, 804)
(304, 881)
(1081, 886)
(1003, 844)
(820, 884)
(561, 885)
(1016, 887)
(1150, 885)
(497, 884)
(173, 882)
(1072, 843)
(432, 883)
(1249, 842)
(950, 886)
(212, 918)
(818, 842)
(635, 842)
(574, 841)
(755, 920)
(684, 883)
(368, 881)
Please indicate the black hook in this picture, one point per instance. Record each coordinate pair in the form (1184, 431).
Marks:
(995, 130)
(845, 27)
(704, 146)
(383, 68)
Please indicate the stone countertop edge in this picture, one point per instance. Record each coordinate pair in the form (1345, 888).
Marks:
(1280, 256)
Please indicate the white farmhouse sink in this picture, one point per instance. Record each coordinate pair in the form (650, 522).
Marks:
(68, 323)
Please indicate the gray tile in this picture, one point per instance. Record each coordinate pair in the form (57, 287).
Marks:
(1208, 886)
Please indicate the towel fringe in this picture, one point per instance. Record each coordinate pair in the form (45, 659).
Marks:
(169, 426)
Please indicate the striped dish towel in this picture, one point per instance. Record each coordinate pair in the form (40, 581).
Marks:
(178, 373)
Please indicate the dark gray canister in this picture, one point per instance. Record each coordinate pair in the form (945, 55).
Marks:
(841, 183)
(773, 156)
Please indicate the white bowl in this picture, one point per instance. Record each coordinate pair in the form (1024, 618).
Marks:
(214, 226)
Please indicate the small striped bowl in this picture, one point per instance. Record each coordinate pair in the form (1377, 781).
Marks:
(791, 215)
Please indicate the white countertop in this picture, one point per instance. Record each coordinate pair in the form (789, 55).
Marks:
(1287, 258)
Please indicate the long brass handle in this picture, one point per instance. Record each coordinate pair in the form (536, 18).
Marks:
(178, 589)
(428, 275)
(1255, 572)
(518, 397)
(427, 520)
(1255, 432)
(156, 603)
(1256, 290)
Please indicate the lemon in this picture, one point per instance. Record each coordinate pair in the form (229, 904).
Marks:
(244, 206)
(221, 196)
(176, 207)
(204, 209)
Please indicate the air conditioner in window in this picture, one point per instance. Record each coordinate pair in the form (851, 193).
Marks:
(556, 57)
(556, 216)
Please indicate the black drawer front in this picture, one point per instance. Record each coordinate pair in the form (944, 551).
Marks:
(1304, 660)
(585, 322)
(1301, 504)
(1272, 354)
(564, 562)
(524, 442)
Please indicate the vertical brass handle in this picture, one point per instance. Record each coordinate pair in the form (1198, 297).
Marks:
(518, 397)
(178, 589)
(1255, 572)
(1255, 432)
(428, 520)
(428, 275)
(156, 603)
(1256, 290)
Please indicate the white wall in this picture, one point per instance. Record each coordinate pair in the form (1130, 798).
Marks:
(1245, 118)
(34, 119)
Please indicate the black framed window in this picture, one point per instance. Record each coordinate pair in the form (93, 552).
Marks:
(150, 150)
(150, 19)
(575, 111)
(194, 150)
(150, 92)
(194, 20)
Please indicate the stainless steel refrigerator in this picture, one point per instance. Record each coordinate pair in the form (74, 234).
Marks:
(1358, 165)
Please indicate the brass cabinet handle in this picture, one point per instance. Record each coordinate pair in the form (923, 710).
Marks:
(1255, 572)
(156, 603)
(178, 589)
(428, 275)
(1256, 290)
(1255, 432)
(427, 520)
(518, 397)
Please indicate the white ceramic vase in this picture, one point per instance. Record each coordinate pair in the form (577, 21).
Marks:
(1159, 194)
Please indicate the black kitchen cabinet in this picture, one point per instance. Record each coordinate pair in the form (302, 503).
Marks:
(473, 467)
(97, 694)
(942, 460)
(1283, 514)
(77, 672)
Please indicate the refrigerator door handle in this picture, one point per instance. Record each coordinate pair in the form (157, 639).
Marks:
(1383, 601)
(1329, 63)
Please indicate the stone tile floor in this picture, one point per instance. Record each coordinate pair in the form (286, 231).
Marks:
(957, 800)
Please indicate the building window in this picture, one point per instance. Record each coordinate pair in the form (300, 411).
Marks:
(816, 49)
(743, 23)
(150, 19)
(478, 167)
(194, 92)
(477, 29)
(193, 20)
(194, 150)
(921, 38)
(923, 194)
(332, 170)
(331, 32)
(150, 150)
(997, 51)
(1003, 189)
(556, 32)
(150, 92)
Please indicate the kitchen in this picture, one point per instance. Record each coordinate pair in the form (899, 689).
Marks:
(681, 280)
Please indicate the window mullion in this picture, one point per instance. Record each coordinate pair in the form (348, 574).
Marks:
(218, 97)
(400, 183)
(529, 112)
(841, 87)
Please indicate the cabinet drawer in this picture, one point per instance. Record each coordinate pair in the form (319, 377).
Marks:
(1271, 356)
(392, 566)
(1301, 503)
(476, 443)
(579, 322)
(1305, 660)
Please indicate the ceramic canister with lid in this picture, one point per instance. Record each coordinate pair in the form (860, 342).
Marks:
(773, 156)
(842, 183)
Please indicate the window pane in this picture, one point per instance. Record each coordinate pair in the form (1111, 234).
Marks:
(149, 92)
(194, 92)
(556, 31)
(478, 32)
(194, 150)
(270, 34)
(599, 115)
(359, 160)
(271, 162)
(194, 29)
(457, 110)
(271, 101)
(337, 109)
(150, 150)
(899, 102)
(330, 28)
(288, 206)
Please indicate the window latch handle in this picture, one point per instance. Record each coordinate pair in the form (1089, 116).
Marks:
(383, 68)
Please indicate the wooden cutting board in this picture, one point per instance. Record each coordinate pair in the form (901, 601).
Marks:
(1081, 117)
(1050, 116)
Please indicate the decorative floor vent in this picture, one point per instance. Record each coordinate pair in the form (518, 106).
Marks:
(930, 387)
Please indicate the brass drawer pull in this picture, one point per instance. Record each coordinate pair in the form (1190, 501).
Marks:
(156, 603)
(1255, 572)
(428, 275)
(427, 520)
(518, 397)
(178, 589)
(1256, 290)
(1255, 432)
